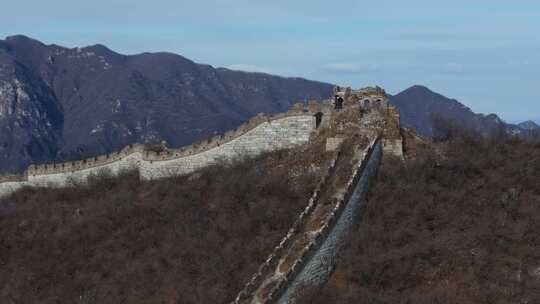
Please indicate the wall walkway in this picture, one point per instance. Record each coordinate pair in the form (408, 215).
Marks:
(306, 257)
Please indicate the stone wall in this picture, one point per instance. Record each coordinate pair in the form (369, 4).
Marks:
(394, 147)
(317, 255)
(261, 134)
(268, 136)
(169, 154)
(274, 258)
(320, 264)
(393, 140)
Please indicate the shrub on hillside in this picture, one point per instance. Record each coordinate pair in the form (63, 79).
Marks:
(189, 239)
(457, 224)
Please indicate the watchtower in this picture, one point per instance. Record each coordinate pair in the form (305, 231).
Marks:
(370, 97)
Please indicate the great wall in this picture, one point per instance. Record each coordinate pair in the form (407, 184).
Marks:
(358, 127)
(258, 135)
(306, 257)
(308, 254)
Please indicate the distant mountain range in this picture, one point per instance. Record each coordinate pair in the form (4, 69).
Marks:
(418, 105)
(59, 103)
(529, 125)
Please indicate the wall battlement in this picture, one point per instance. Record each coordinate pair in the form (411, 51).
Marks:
(12, 178)
(167, 154)
(260, 134)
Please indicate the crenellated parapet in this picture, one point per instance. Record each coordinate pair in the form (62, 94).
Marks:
(84, 164)
(168, 154)
(298, 110)
(260, 134)
(12, 178)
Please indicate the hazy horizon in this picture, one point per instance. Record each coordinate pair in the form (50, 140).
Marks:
(484, 54)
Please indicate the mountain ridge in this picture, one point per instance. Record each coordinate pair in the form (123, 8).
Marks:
(61, 104)
(108, 100)
(419, 105)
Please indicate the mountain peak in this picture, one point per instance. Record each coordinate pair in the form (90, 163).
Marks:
(529, 125)
(22, 39)
(421, 92)
(99, 47)
(419, 87)
(419, 104)
(18, 37)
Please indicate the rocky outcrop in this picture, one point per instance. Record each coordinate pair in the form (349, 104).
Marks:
(31, 118)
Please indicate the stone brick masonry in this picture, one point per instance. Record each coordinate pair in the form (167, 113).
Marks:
(257, 136)
(306, 257)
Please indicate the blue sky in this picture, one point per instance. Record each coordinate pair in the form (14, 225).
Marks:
(483, 53)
